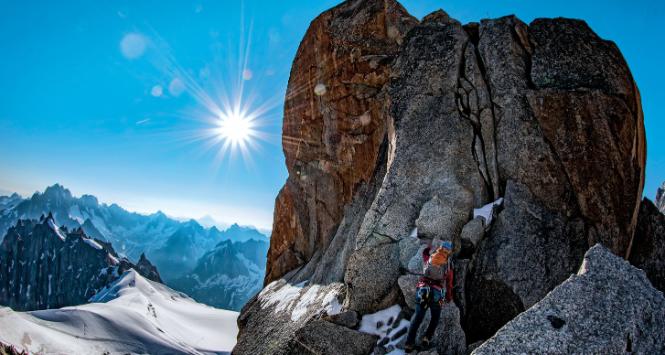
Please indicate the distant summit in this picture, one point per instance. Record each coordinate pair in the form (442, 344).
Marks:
(237, 233)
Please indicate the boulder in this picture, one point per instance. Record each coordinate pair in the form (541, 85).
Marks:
(371, 275)
(347, 319)
(442, 220)
(593, 312)
(407, 284)
(321, 337)
(474, 231)
(648, 250)
(415, 265)
(408, 249)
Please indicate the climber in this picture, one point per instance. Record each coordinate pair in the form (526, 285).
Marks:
(433, 289)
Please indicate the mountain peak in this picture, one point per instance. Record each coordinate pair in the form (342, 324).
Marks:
(57, 190)
(236, 226)
(89, 200)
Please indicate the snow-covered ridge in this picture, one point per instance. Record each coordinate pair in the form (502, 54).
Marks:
(56, 229)
(132, 315)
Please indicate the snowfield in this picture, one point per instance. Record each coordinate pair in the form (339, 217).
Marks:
(132, 315)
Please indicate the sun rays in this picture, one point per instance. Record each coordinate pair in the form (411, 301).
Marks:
(230, 119)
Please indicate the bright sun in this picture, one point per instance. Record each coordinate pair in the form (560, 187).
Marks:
(235, 128)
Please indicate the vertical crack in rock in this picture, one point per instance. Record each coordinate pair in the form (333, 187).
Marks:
(471, 105)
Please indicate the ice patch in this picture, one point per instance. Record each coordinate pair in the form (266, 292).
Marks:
(486, 211)
(414, 232)
(283, 297)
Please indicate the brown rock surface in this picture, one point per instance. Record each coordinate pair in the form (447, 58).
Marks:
(333, 123)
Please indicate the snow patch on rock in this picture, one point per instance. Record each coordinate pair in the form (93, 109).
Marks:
(486, 211)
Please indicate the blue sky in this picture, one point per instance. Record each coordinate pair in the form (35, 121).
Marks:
(108, 97)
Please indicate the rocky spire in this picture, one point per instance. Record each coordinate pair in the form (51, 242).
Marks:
(334, 124)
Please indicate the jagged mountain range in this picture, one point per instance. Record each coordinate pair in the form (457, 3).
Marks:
(131, 233)
(177, 248)
(45, 266)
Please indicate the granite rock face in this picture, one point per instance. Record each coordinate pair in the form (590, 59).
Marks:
(45, 266)
(544, 115)
(321, 337)
(273, 319)
(608, 307)
(648, 251)
(561, 98)
(333, 123)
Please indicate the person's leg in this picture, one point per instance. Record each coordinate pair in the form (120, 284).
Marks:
(435, 311)
(416, 320)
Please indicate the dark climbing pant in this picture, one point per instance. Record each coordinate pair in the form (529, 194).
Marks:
(422, 305)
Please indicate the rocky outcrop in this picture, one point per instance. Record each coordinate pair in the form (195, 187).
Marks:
(6, 349)
(147, 269)
(592, 312)
(496, 111)
(44, 266)
(271, 320)
(333, 123)
(648, 252)
(321, 337)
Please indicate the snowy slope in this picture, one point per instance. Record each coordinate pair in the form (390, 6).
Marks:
(132, 315)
